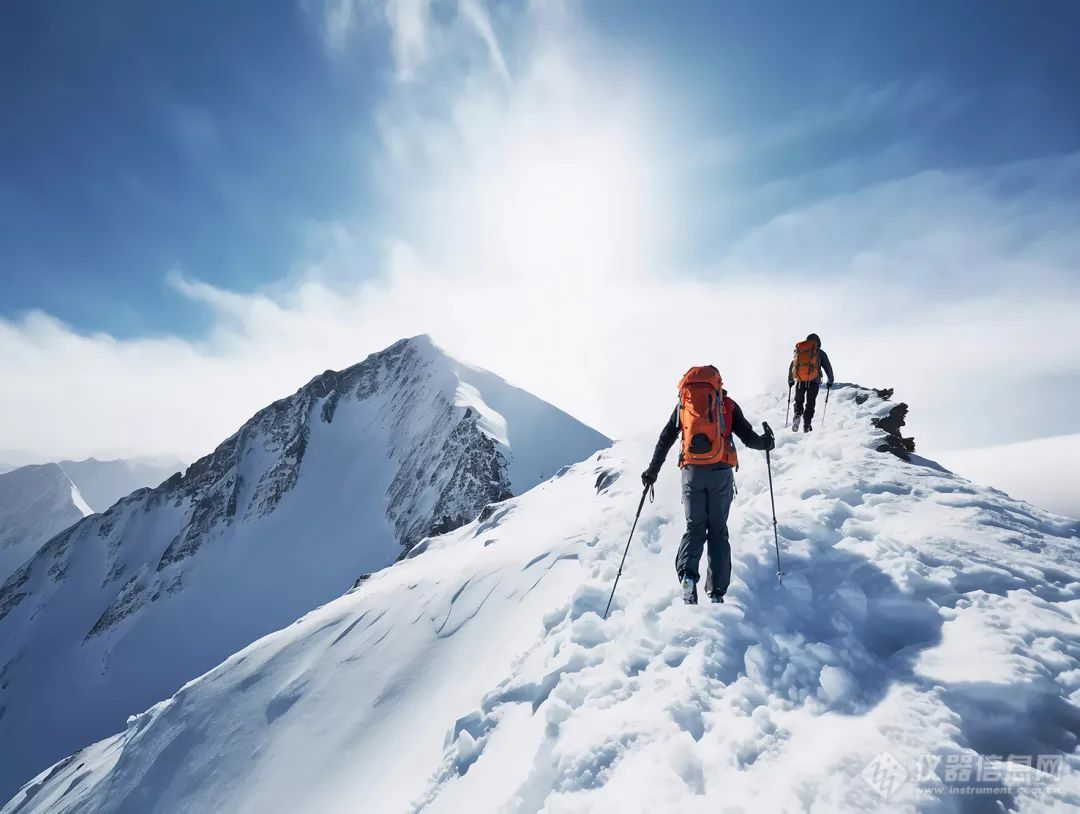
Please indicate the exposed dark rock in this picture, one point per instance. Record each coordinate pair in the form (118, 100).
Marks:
(487, 512)
(330, 405)
(129, 599)
(893, 441)
(447, 523)
(605, 479)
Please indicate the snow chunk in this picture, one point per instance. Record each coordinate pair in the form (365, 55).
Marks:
(837, 684)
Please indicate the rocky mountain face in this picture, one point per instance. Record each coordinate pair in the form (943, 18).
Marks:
(333, 481)
(36, 502)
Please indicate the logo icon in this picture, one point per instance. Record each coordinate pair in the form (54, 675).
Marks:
(884, 774)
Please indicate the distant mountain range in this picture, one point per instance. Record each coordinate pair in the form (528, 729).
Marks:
(41, 500)
(36, 502)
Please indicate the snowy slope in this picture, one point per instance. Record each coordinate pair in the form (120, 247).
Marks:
(920, 615)
(315, 490)
(36, 502)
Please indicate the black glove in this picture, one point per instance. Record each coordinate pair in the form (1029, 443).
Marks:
(829, 386)
(790, 382)
(770, 439)
(648, 478)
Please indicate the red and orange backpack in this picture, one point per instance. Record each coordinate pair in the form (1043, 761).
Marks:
(705, 416)
(805, 367)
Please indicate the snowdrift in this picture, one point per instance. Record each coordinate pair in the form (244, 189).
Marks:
(923, 622)
(315, 490)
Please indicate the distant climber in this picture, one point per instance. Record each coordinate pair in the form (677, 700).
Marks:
(706, 417)
(805, 371)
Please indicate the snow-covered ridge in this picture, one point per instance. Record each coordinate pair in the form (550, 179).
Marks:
(317, 488)
(920, 615)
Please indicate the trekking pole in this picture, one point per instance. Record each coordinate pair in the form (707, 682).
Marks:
(640, 506)
(772, 499)
(825, 409)
(787, 413)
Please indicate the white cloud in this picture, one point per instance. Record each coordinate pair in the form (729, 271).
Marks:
(863, 105)
(336, 19)
(1043, 471)
(476, 15)
(608, 352)
(408, 20)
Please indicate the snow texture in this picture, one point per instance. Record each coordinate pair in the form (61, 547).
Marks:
(335, 481)
(36, 502)
(920, 614)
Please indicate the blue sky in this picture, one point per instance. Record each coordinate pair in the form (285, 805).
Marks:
(212, 203)
(144, 137)
(141, 137)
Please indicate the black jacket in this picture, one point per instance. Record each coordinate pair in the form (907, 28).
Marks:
(739, 426)
(823, 360)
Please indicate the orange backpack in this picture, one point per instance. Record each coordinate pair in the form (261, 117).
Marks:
(705, 415)
(805, 367)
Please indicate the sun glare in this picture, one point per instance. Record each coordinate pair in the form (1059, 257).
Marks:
(569, 207)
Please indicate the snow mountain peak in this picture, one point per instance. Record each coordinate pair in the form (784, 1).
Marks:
(336, 480)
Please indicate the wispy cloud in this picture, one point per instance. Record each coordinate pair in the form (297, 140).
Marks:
(408, 20)
(476, 15)
(999, 230)
(336, 21)
(862, 106)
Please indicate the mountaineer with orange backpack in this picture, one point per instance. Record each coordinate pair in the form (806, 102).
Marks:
(806, 369)
(706, 417)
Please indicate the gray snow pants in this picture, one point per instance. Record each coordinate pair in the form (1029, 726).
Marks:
(707, 495)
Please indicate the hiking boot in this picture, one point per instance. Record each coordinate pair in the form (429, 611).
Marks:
(795, 423)
(807, 428)
(689, 591)
(716, 599)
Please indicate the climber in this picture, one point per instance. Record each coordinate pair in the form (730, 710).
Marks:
(806, 369)
(706, 417)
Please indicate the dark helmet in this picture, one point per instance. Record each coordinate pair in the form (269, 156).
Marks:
(815, 338)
